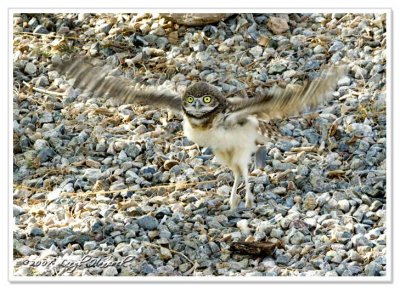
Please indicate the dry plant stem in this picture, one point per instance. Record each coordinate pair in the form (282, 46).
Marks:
(44, 91)
(173, 251)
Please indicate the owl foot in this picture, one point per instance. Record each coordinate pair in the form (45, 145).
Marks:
(249, 200)
(234, 200)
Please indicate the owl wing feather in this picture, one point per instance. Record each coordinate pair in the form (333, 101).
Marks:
(290, 101)
(96, 79)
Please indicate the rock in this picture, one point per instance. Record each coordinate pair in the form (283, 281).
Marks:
(40, 29)
(333, 256)
(36, 232)
(33, 22)
(90, 245)
(40, 144)
(310, 201)
(360, 129)
(165, 253)
(118, 186)
(46, 154)
(373, 269)
(283, 260)
(297, 238)
(46, 117)
(344, 205)
(256, 51)
(319, 49)
(298, 40)
(41, 81)
(24, 250)
(92, 163)
(110, 271)
(345, 81)
(276, 68)
(30, 68)
(375, 205)
(17, 210)
(104, 27)
(279, 190)
(336, 45)
(148, 222)
(53, 195)
(92, 174)
(277, 25)
(148, 171)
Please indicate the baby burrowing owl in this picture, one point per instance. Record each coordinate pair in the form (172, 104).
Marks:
(230, 126)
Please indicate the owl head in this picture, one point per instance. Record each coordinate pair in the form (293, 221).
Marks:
(202, 100)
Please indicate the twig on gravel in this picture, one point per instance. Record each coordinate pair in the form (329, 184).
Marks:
(44, 91)
(173, 251)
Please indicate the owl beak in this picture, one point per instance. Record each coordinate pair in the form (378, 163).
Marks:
(196, 104)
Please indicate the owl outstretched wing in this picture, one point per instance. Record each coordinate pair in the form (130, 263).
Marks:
(97, 80)
(290, 101)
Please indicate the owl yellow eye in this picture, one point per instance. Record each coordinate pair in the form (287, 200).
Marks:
(190, 99)
(207, 99)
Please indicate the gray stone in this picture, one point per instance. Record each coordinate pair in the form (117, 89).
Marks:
(297, 238)
(276, 68)
(89, 245)
(110, 271)
(312, 65)
(336, 45)
(319, 49)
(30, 68)
(298, 40)
(373, 269)
(279, 166)
(40, 29)
(40, 144)
(148, 222)
(33, 22)
(46, 117)
(46, 154)
(279, 190)
(344, 205)
(118, 186)
(104, 27)
(345, 81)
(41, 81)
(17, 210)
(354, 268)
(92, 174)
(354, 256)
(283, 260)
(276, 233)
(148, 171)
(24, 250)
(256, 51)
(375, 205)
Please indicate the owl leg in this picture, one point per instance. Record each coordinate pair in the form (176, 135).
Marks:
(235, 198)
(249, 196)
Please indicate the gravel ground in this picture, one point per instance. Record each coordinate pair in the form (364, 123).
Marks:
(119, 191)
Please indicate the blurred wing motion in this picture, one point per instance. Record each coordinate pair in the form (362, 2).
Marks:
(95, 79)
(290, 101)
